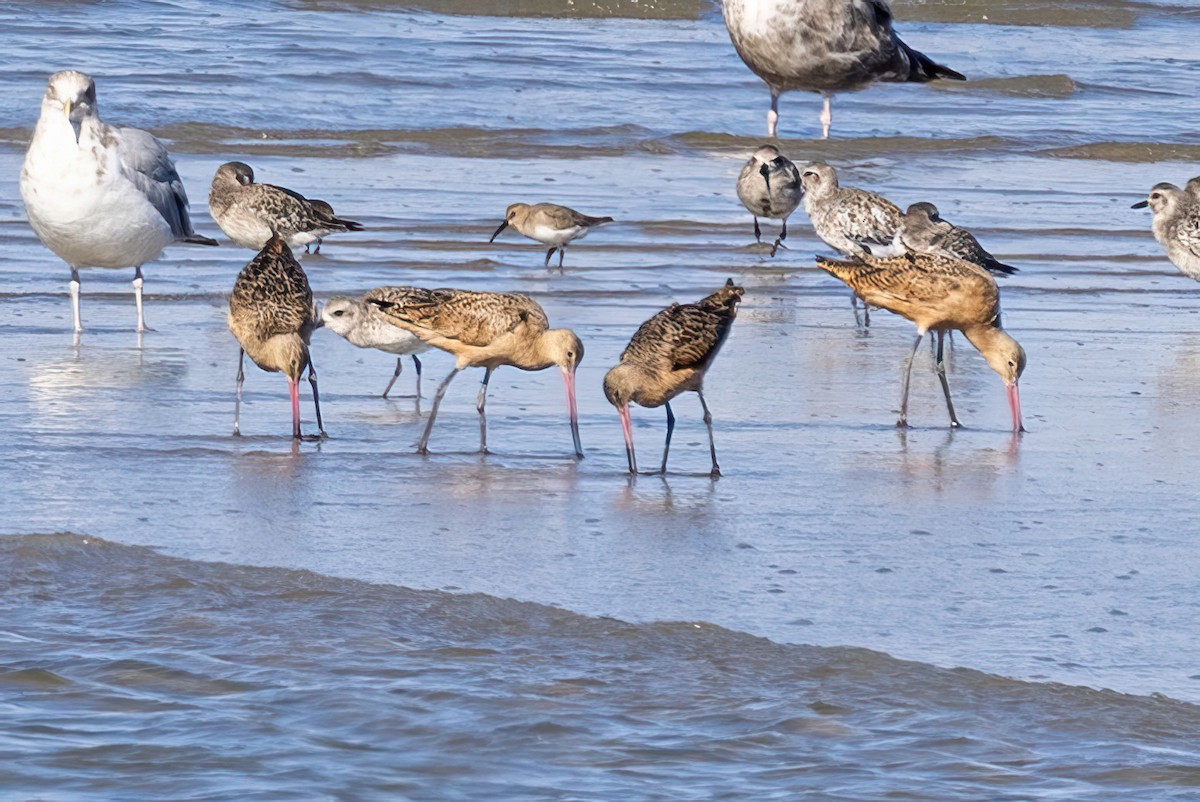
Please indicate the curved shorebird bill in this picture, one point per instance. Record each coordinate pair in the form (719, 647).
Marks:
(1014, 406)
(627, 430)
(1142, 204)
(503, 226)
(572, 410)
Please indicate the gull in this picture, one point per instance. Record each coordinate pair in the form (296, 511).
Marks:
(550, 225)
(769, 186)
(823, 46)
(98, 195)
(668, 355)
(1177, 224)
(365, 326)
(249, 213)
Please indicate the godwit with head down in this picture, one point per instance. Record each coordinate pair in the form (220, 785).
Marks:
(769, 186)
(1177, 224)
(483, 330)
(823, 46)
(922, 230)
(549, 224)
(272, 316)
(98, 195)
(939, 294)
(668, 355)
(250, 213)
(362, 324)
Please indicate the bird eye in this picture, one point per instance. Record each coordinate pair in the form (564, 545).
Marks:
(1012, 364)
(341, 312)
(570, 354)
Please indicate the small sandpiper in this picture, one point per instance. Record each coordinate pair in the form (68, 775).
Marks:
(922, 230)
(1177, 225)
(549, 224)
(365, 326)
(769, 186)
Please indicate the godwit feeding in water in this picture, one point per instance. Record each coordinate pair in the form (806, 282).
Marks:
(668, 355)
(98, 195)
(549, 224)
(922, 230)
(362, 324)
(1177, 224)
(272, 316)
(483, 330)
(250, 213)
(769, 186)
(823, 46)
(846, 217)
(939, 294)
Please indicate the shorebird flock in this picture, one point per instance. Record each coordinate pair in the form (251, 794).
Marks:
(99, 195)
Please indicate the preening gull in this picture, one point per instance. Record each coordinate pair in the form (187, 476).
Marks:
(98, 195)
(823, 46)
(249, 213)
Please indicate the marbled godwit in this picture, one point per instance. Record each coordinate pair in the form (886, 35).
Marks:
(939, 294)
(922, 230)
(846, 217)
(272, 316)
(669, 355)
(1177, 225)
(769, 186)
(98, 195)
(549, 224)
(250, 213)
(483, 330)
(823, 46)
(362, 324)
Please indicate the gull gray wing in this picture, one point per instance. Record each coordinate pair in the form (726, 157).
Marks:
(144, 161)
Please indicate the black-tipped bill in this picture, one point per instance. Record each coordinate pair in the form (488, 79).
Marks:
(1140, 205)
(503, 226)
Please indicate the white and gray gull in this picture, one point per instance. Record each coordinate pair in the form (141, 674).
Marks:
(98, 195)
(769, 186)
(1176, 225)
(823, 46)
(922, 230)
(248, 213)
(364, 325)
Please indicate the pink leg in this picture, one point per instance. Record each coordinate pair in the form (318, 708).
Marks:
(294, 391)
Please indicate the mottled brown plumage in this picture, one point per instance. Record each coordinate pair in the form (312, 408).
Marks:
(271, 314)
(939, 294)
(484, 330)
(668, 355)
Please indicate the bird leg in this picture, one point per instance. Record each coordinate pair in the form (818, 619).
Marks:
(941, 372)
(773, 115)
(865, 320)
(237, 404)
(317, 249)
(549, 253)
(480, 403)
(312, 379)
(417, 363)
(712, 446)
(423, 445)
(294, 392)
(667, 444)
(74, 286)
(826, 114)
(562, 251)
(627, 430)
(137, 298)
(903, 422)
(779, 241)
(757, 231)
(396, 375)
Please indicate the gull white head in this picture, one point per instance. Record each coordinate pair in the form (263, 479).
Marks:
(72, 94)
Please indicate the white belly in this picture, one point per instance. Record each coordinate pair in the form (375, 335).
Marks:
(557, 236)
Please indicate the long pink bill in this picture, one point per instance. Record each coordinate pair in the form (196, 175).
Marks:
(1014, 405)
(569, 381)
(294, 391)
(627, 430)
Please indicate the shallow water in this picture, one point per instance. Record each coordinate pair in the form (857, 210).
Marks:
(1064, 556)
